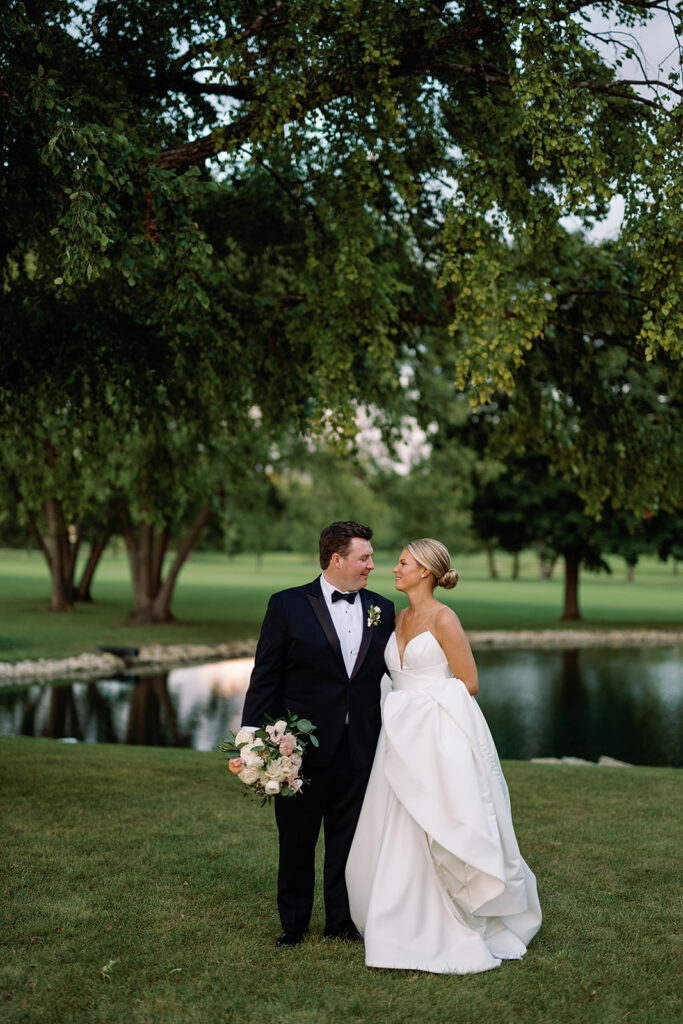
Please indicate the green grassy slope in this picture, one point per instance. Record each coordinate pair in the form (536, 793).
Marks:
(139, 887)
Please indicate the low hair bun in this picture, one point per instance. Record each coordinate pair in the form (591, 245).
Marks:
(449, 579)
(433, 556)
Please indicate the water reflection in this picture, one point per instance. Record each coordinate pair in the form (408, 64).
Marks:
(626, 703)
(539, 703)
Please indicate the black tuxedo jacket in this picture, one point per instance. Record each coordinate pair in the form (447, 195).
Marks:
(299, 668)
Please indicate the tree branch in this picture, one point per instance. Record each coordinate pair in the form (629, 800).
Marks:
(415, 60)
(95, 21)
(477, 70)
(265, 20)
(191, 87)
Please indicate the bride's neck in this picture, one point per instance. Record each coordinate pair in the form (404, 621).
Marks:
(422, 605)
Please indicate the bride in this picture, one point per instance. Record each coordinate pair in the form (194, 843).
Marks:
(435, 878)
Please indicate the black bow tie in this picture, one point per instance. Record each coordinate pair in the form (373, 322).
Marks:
(338, 596)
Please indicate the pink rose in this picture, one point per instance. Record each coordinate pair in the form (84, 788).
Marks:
(236, 764)
(287, 743)
(270, 729)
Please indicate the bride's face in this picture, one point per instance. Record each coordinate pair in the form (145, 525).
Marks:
(408, 572)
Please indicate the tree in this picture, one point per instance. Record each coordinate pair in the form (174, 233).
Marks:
(129, 130)
(318, 484)
(112, 112)
(589, 399)
(630, 537)
(536, 507)
(156, 416)
(665, 530)
(503, 511)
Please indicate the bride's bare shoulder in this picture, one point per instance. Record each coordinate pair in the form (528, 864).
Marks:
(446, 619)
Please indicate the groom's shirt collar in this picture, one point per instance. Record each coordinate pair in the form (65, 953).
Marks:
(328, 589)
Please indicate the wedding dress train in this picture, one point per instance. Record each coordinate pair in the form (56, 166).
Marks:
(435, 878)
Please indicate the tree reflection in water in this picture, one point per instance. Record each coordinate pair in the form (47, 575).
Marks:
(152, 716)
(82, 711)
(63, 717)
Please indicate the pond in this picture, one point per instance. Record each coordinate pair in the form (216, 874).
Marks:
(624, 703)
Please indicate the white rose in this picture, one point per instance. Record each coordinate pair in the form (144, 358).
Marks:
(280, 727)
(289, 766)
(244, 736)
(275, 770)
(251, 757)
(248, 776)
(271, 788)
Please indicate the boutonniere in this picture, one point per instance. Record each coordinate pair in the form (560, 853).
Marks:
(374, 615)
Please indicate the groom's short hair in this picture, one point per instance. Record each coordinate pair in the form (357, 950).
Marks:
(337, 537)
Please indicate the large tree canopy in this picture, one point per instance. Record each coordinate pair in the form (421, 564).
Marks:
(492, 120)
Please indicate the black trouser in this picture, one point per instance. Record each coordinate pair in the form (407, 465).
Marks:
(332, 796)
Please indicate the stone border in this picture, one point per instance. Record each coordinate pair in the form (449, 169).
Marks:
(604, 761)
(568, 638)
(164, 656)
(147, 656)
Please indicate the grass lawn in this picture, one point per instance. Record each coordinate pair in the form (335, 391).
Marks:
(219, 598)
(139, 887)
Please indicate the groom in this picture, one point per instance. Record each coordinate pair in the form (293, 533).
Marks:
(321, 656)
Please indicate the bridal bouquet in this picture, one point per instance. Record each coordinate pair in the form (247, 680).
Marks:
(268, 761)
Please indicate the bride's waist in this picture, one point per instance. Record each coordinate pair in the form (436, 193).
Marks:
(402, 679)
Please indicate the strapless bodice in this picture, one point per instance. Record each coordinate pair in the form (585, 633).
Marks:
(424, 662)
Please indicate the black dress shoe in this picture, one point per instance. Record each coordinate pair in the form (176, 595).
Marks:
(289, 939)
(349, 933)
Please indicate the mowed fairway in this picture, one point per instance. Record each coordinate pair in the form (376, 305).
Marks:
(219, 598)
(139, 887)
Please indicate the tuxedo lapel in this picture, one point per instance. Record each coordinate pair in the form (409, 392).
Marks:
(367, 634)
(319, 606)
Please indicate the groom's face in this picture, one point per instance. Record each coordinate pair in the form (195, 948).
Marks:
(352, 570)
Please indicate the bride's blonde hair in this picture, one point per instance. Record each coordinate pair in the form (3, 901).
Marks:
(433, 556)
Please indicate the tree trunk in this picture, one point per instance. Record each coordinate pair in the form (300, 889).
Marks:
(675, 567)
(572, 561)
(139, 555)
(490, 555)
(59, 560)
(97, 548)
(515, 565)
(630, 571)
(546, 565)
(152, 595)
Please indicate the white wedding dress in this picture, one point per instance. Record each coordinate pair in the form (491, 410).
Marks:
(435, 878)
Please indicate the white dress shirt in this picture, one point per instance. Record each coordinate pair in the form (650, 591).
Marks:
(348, 623)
